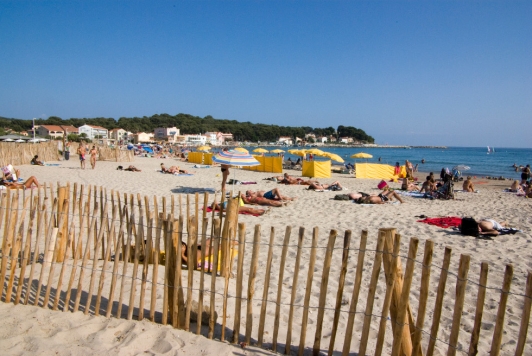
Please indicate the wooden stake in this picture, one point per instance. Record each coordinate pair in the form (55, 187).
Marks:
(481, 296)
(217, 233)
(239, 278)
(423, 296)
(294, 291)
(499, 325)
(202, 276)
(371, 293)
(523, 329)
(354, 295)
(461, 283)
(251, 283)
(308, 290)
(388, 296)
(438, 303)
(119, 244)
(340, 292)
(110, 237)
(286, 241)
(266, 288)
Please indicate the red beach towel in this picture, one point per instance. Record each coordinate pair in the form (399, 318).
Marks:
(445, 222)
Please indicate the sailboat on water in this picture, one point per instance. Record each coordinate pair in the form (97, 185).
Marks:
(491, 150)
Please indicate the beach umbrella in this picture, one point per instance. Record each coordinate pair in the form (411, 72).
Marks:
(260, 150)
(461, 167)
(301, 153)
(19, 140)
(241, 149)
(361, 155)
(314, 151)
(335, 157)
(203, 148)
(235, 158)
(8, 140)
(277, 150)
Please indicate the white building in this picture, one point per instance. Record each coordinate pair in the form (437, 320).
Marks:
(119, 135)
(169, 134)
(285, 140)
(195, 140)
(94, 131)
(142, 137)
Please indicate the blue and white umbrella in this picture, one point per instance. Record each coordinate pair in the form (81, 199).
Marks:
(235, 158)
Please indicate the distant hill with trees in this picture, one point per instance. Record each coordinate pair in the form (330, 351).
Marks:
(189, 124)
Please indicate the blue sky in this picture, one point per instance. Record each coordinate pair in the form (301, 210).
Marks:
(455, 73)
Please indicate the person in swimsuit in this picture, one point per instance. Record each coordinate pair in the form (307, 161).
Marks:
(225, 174)
(81, 152)
(363, 198)
(334, 186)
(490, 227)
(274, 194)
(27, 184)
(36, 162)
(241, 209)
(406, 185)
(254, 199)
(525, 175)
(468, 185)
(93, 153)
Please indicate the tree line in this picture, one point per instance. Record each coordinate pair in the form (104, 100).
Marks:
(189, 124)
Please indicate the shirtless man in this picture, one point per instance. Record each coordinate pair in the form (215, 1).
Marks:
(468, 185)
(82, 152)
(287, 179)
(334, 186)
(428, 186)
(274, 194)
(241, 209)
(363, 198)
(254, 199)
(93, 153)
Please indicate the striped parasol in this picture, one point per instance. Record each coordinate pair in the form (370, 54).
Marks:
(235, 158)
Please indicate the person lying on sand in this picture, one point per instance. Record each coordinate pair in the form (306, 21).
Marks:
(174, 170)
(490, 227)
(468, 185)
(334, 186)
(241, 209)
(132, 169)
(274, 194)
(254, 199)
(287, 179)
(409, 186)
(27, 184)
(363, 198)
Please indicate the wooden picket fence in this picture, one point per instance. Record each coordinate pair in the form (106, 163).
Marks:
(78, 248)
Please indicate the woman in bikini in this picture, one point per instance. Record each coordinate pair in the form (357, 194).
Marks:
(26, 185)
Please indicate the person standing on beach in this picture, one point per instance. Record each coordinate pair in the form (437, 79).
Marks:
(93, 153)
(82, 152)
(225, 172)
(525, 175)
(67, 151)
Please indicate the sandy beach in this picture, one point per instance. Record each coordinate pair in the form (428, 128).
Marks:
(38, 331)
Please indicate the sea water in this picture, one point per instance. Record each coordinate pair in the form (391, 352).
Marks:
(481, 163)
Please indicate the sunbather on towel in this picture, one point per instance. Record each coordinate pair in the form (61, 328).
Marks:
(334, 186)
(287, 179)
(254, 199)
(490, 227)
(241, 209)
(27, 184)
(274, 194)
(428, 186)
(408, 186)
(132, 169)
(387, 195)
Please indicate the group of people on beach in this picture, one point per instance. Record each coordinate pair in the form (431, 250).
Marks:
(82, 152)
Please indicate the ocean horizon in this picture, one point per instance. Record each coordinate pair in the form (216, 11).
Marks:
(497, 163)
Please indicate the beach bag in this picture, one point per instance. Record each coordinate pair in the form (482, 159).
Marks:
(382, 184)
(469, 227)
(341, 197)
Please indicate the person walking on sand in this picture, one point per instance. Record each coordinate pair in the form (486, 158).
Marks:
(82, 152)
(93, 153)
(67, 151)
